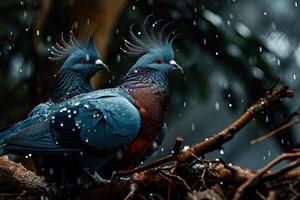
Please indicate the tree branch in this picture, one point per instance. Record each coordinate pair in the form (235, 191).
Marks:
(16, 178)
(217, 140)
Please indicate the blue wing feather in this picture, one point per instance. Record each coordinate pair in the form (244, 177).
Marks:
(105, 121)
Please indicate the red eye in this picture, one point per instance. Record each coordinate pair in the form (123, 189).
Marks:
(159, 61)
(84, 61)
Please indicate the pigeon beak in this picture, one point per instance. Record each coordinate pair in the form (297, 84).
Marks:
(176, 66)
(101, 65)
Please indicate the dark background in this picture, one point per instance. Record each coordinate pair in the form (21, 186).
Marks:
(231, 51)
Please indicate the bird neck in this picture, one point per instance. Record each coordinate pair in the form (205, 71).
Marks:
(146, 78)
(67, 84)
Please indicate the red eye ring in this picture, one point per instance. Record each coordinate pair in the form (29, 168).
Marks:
(159, 61)
(84, 61)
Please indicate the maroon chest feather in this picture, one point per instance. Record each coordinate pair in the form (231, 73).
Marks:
(152, 106)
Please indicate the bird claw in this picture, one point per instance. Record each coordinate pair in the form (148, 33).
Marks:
(96, 177)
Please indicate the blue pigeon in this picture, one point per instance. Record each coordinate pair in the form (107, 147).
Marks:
(81, 64)
(96, 126)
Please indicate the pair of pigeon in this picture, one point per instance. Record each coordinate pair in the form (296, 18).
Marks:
(97, 127)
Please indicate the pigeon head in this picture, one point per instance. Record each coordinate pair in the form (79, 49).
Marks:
(154, 46)
(83, 59)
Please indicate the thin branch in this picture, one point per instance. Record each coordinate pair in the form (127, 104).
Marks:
(217, 140)
(21, 179)
(271, 195)
(277, 130)
(179, 179)
(283, 170)
(155, 163)
(254, 179)
(175, 151)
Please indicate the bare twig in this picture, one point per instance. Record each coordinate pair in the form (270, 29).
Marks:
(175, 151)
(217, 140)
(283, 170)
(155, 163)
(179, 179)
(15, 177)
(271, 195)
(254, 179)
(132, 192)
(277, 130)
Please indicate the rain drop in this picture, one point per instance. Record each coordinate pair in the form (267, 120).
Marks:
(185, 148)
(49, 38)
(222, 151)
(195, 9)
(193, 127)
(267, 118)
(118, 58)
(278, 62)
(217, 106)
